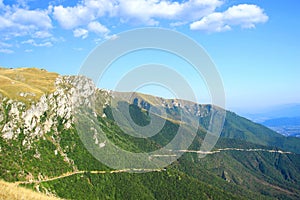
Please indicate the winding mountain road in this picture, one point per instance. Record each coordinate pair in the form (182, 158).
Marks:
(149, 170)
(235, 149)
(82, 172)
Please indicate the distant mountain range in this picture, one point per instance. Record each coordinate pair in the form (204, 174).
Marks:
(288, 126)
(284, 119)
(41, 148)
(280, 111)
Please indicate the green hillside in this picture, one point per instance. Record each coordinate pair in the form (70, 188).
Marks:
(240, 128)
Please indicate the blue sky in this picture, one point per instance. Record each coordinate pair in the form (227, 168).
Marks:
(255, 44)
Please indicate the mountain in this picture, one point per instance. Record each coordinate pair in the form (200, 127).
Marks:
(243, 129)
(279, 111)
(288, 126)
(284, 119)
(43, 147)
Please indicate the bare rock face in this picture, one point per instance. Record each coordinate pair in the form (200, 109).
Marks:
(51, 111)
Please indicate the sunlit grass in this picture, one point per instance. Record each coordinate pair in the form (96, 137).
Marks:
(31, 82)
(13, 192)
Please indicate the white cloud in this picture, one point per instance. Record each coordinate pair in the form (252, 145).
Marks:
(72, 17)
(16, 21)
(83, 13)
(30, 41)
(4, 44)
(33, 43)
(111, 37)
(98, 28)
(148, 11)
(102, 7)
(5, 22)
(83, 18)
(7, 51)
(22, 3)
(80, 32)
(28, 50)
(174, 24)
(244, 15)
(44, 44)
(37, 18)
(41, 34)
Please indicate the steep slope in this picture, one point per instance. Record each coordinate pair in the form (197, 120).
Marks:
(272, 174)
(237, 127)
(13, 192)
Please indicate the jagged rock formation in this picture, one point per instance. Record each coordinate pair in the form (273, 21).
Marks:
(56, 108)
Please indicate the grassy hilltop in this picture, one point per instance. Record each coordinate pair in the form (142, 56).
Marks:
(26, 84)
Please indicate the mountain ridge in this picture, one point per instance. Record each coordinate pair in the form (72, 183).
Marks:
(42, 142)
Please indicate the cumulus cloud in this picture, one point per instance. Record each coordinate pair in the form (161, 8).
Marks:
(147, 12)
(72, 17)
(243, 15)
(97, 28)
(37, 18)
(150, 11)
(102, 7)
(200, 14)
(16, 21)
(80, 32)
(83, 13)
(83, 19)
